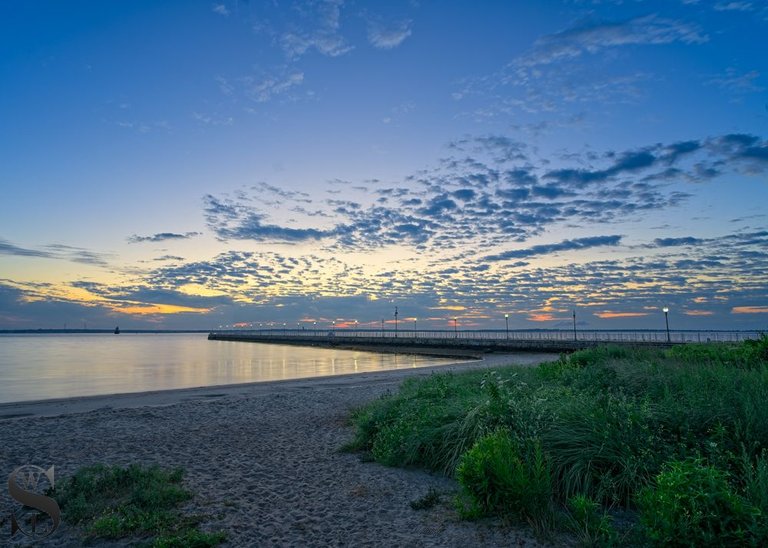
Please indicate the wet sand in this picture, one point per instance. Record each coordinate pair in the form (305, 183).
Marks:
(262, 458)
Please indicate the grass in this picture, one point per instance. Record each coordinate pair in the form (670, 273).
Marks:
(597, 427)
(110, 502)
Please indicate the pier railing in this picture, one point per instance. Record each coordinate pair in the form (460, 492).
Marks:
(495, 335)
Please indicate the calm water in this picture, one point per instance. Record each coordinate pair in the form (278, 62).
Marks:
(35, 367)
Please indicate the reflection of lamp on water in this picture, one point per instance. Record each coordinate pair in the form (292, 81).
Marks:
(506, 320)
(666, 319)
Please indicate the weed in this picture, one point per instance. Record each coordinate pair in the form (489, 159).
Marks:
(113, 502)
(591, 526)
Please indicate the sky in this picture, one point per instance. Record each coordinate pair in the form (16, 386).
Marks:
(192, 164)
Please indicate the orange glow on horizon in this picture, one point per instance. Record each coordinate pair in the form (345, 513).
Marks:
(609, 315)
(150, 309)
(699, 313)
(749, 310)
(542, 317)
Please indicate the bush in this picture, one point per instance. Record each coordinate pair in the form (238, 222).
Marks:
(603, 447)
(693, 504)
(504, 476)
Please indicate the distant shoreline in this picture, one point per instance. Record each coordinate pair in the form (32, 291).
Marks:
(96, 331)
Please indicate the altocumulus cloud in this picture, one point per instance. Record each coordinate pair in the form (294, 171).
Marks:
(492, 192)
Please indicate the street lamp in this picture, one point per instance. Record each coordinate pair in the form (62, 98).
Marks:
(666, 319)
(333, 328)
(456, 328)
(414, 327)
(395, 322)
(506, 320)
(574, 325)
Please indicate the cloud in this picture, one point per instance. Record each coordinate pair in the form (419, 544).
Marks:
(58, 252)
(749, 310)
(594, 37)
(162, 237)
(574, 67)
(267, 88)
(565, 245)
(493, 191)
(388, 36)
(733, 6)
(237, 221)
(7, 248)
(736, 82)
(675, 242)
(608, 314)
(221, 9)
(168, 258)
(318, 29)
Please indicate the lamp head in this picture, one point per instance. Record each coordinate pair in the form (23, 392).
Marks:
(665, 309)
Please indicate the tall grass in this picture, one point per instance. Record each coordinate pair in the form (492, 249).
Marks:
(607, 420)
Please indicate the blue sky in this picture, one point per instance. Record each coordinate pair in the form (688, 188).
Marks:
(191, 164)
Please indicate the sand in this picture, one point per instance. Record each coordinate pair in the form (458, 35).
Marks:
(263, 460)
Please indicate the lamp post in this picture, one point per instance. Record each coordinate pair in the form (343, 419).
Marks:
(382, 327)
(574, 325)
(506, 321)
(414, 327)
(395, 322)
(333, 326)
(455, 328)
(666, 320)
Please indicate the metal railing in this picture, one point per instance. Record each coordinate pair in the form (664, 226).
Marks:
(500, 335)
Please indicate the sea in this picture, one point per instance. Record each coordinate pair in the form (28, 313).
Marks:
(48, 366)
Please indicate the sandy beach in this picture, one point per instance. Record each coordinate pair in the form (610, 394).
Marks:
(262, 458)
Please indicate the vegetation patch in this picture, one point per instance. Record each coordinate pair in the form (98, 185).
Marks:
(598, 433)
(110, 502)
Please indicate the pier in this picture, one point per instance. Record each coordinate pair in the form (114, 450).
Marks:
(470, 343)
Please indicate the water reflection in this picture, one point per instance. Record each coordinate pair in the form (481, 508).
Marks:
(52, 366)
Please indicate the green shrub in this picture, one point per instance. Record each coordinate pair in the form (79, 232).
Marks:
(504, 476)
(603, 447)
(692, 504)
